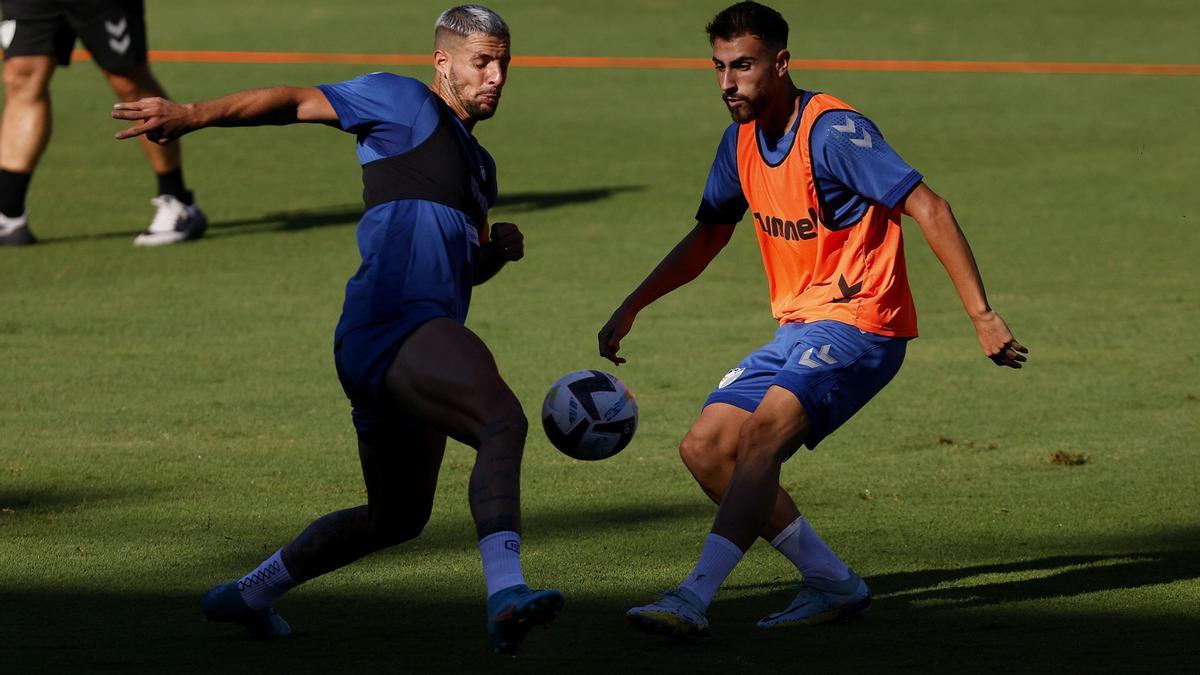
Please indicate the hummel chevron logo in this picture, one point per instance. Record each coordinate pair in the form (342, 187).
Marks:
(119, 46)
(806, 359)
(848, 291)
(117, 30)
(850, 128)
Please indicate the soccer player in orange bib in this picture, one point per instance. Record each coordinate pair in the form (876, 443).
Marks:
(826, 193)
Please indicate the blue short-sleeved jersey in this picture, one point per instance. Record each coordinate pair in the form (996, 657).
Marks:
(428, 183)
(847, 179)
(427, 187)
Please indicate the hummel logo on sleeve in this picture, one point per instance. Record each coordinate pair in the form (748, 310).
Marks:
(849, 128)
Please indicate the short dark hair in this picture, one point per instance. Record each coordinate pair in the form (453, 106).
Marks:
(467, 20)
(749, 18)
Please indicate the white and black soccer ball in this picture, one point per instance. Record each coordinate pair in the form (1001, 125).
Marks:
(589, 414)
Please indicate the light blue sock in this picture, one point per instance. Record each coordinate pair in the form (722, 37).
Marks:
(810, 554)
(717, 560)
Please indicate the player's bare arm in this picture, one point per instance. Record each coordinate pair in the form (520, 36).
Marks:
(949, 244)
(684, 263)
(163, 121)
(505, 244)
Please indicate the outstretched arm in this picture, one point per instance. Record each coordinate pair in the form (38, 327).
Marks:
(950, 246)
(163, 121)
(684, 263)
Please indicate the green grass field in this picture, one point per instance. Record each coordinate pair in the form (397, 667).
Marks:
(169, 417)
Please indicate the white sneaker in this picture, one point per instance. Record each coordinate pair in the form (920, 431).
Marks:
(174, 222)
(15, 231)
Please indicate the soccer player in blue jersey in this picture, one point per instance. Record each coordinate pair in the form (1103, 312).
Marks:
(413, 372)
(826, 193)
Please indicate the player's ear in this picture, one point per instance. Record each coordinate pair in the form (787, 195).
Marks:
(781, 62)
(441, 63)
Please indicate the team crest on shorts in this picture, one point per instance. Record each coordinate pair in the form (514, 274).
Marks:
(730, 377)
(7, 30)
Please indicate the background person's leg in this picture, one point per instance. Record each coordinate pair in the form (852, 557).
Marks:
(137, 82)
(176, 218)
(115, 34)
(24, 133)
(26, 126)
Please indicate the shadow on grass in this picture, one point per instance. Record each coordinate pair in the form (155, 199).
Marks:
(1056, 576)
(521, 202)
(348, 214)
(440, 536)
(51, 499)
(426, 630)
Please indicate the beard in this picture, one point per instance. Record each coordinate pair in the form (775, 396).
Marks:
(477, 111)
(746, 112)
(475, 108)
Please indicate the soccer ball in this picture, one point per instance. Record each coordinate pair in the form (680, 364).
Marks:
(589, 414)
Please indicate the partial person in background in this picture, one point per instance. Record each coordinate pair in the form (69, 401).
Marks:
(39, 35)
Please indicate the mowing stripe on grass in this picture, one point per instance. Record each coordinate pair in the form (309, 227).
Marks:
(876, 65)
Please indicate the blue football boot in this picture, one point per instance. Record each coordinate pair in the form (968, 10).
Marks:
(514, 610)
(679, 614)
(224, 603)
(821, 601)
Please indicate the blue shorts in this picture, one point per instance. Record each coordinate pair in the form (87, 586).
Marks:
(833, 369)
(362, 358)
(418, 265)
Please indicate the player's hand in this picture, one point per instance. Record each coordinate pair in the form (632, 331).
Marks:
(160, 120)
(507, 242)
(998, 342)
(610, 336)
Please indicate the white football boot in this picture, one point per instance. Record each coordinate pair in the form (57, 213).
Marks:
(173, 222)
(15, 231)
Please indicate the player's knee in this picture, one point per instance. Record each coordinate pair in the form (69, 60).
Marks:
(703, 454)
(134, 82)
(507, 422)
(393, 528)
(24, 81)
(127, 88)
(759, 443)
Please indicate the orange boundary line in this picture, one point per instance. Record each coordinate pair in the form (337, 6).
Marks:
(186, 56)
